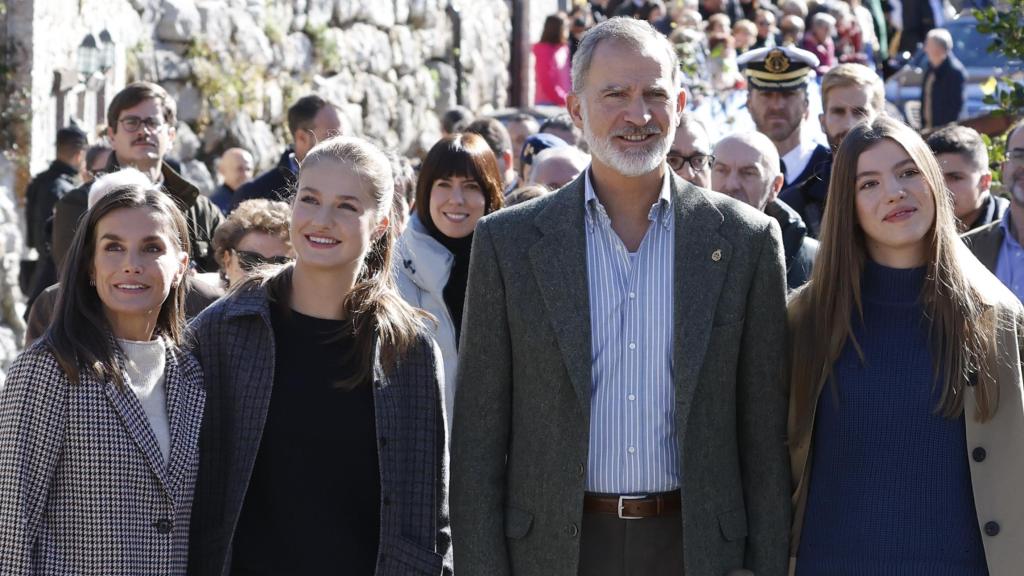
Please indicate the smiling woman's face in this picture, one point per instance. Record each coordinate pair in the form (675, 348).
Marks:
(456, 205)
(895, 206)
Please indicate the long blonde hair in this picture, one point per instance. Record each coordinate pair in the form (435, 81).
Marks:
(820, 314)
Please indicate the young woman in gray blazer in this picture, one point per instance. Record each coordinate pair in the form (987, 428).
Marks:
(99, 419)
(324, 446)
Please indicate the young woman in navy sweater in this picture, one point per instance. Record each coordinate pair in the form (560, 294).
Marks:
(906, 423)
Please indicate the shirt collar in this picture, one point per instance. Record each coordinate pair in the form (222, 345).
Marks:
(797, 159)
(593, 209)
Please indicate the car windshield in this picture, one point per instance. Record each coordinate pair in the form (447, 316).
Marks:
(971, 46)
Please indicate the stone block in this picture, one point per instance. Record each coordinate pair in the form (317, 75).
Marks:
(379, 108)
(197, 173)
(216, 21)
(297, 52)
(171, 66)
(401, 11)
(180, 21)
(186, 143)
(188, 98)
(406, 53)
(319, 12)
(250, 42)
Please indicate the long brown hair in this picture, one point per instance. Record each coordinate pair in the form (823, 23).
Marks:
(374, 311)
(820, 314)
(80, 335)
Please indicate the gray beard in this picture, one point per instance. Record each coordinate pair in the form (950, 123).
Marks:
(628, 164)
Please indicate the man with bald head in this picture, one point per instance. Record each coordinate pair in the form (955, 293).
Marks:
(747, 169)
(690, 155)
(235, 168)
(556, 167)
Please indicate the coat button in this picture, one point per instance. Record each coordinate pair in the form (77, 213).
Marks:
(979, 454)
(572, 530)
(163, 526)
(580, 470)
(991, 528)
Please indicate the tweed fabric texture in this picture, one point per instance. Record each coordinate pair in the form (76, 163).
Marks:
(234, 342)
(84, 488)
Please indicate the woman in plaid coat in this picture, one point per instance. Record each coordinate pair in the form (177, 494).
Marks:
(324, 444)
(99, 420)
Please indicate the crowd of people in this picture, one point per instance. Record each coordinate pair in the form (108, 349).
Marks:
(600, 343)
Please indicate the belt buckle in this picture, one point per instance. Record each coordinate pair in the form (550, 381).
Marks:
(634, 497)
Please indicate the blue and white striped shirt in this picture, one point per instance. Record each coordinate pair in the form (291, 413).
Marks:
(633, 446)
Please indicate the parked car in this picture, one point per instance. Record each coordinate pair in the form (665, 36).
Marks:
(903, 89)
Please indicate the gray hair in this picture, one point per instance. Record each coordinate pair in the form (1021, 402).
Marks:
(366, 160)
(637, 34)
(123, 178)
(941, 36)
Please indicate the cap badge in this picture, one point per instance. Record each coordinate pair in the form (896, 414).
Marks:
(776, 62)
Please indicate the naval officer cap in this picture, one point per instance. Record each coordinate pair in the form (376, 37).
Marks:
(778, 68)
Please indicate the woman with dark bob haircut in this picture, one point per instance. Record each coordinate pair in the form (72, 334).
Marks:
(100, 418)
(906, 419)
(459, 183)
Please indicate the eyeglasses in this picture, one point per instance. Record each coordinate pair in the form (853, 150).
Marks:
(1017, 155)
(133, 123)
(249, 261)
(697, 162)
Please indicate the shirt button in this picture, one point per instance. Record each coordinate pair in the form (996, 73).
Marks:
(632, 345)
(632, 295)
(979, 454)
(580, 471)
(632, 450)
(631, 397)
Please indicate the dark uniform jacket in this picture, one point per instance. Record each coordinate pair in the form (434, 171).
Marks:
(800, 249)
(274, 184)
(986, 243)
(42, 194)
(201, 216)
(992, 210)
(808, 191)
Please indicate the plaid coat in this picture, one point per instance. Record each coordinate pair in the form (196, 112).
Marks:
(84, 488)
(235, 345)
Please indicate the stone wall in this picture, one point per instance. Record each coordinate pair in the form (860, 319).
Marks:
(12, 328)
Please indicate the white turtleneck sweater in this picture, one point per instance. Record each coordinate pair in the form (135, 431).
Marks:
(146, 364)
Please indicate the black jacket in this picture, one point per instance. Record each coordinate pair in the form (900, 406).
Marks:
(274, 184)
(42, 194)
(946, 97)
(201, 216)
(806, 195)
(800, 248)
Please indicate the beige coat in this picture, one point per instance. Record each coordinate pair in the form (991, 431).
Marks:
(995, 449)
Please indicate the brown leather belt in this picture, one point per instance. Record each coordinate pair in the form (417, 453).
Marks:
(634, 507)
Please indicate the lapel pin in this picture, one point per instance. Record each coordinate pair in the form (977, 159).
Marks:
(716, 255)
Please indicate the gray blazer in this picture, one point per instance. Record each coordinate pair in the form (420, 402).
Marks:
(235, 346)
(521, 427)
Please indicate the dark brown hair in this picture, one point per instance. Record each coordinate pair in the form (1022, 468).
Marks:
(463, 155)
(80, 336)
(375, 312)
(822, 313)
(137, 92)
(554, 29)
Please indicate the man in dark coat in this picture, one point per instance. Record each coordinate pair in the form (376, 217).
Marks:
(942, 92)
(141, 120)
(42, 195)
(747, 169)
(963, 157)
(235, 168)
(310, 120)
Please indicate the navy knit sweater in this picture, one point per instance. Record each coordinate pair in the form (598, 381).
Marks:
(890, 485)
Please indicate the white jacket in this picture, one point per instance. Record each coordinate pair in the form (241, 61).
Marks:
(422, 266)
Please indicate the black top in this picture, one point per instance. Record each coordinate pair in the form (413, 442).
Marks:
(455, 290)
(278, 183)
(313, 504)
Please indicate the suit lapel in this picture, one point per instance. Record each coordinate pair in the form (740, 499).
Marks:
(702, 257)
(136, 423)
(184, 418)
(559, 262)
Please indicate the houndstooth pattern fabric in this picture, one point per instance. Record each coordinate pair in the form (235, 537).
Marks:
(234, 341)
(84, 488)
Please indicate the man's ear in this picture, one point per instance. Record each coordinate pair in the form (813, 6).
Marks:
(381, 228)
(573, 104)
(681, 102)
(172, 133)
(985, 182)
(821, 120)
(777, 185)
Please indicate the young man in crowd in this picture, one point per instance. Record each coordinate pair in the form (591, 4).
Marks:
(963, 156)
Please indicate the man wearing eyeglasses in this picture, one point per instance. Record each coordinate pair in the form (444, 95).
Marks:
(690, 155)
(747, 168)
(140, 126)
(998, 245)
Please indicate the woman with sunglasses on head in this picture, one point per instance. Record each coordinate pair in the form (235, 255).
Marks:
(324, 447)
(100, 419)
(459, 183)
(253, 235)
(906, 418)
